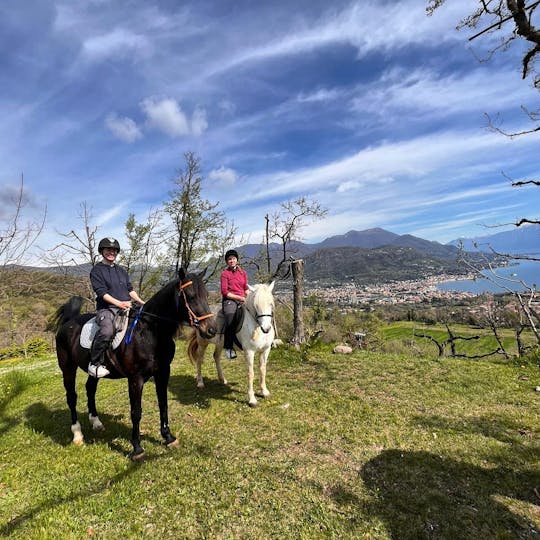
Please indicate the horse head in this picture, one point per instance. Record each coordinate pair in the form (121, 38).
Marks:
(194, 293)
(260, 303)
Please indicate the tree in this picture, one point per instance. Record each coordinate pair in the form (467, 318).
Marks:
(18, 233)
(285, 225)
(79, 246)
(514, 21)
(142, 255)
(199, 231)
(17, 236)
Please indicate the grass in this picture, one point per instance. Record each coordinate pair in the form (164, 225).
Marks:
(403, 331)
(373, 446)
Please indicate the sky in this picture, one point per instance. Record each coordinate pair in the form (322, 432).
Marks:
(371, 108)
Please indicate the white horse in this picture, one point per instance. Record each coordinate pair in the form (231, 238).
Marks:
(256, 335)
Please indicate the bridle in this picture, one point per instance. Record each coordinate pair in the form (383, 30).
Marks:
(258, 316)
(193, 319)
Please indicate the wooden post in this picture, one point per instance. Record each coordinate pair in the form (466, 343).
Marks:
(297, 269)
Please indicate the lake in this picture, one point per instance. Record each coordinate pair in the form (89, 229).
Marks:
(526, 271)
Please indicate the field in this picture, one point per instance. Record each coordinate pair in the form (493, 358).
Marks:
(367, 445)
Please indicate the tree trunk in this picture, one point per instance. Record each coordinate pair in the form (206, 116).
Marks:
(297, 268)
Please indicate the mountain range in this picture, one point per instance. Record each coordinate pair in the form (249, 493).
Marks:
(521, 240)
(376, 254)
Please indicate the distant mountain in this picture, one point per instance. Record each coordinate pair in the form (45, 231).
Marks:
(368, 239)
(521, 240)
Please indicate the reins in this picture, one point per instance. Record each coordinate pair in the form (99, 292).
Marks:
(193, 319)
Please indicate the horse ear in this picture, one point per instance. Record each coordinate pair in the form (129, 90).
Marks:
(251, 288)
(271, 286)
(181, 273)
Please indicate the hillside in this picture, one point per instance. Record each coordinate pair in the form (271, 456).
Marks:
(379, 265)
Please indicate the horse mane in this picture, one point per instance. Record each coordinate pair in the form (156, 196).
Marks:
(70, 310)
(163, 295)
(260, 297)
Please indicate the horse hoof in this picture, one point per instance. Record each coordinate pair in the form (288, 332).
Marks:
(200, 386)
(173, 444)
(78, 442)
(252, 404)
(138, 458)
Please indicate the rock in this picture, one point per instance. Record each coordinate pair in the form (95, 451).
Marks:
(342, 349)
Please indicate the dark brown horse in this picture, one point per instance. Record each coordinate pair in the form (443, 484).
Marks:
(147, 352)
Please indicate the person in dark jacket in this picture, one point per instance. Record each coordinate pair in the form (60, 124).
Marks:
(234, 289)
(114, 292)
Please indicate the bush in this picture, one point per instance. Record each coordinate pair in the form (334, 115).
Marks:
(32, 348)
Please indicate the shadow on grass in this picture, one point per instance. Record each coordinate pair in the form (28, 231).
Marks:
(184, 388)
(498, 427)
(421, 495)
(56, 425)
(12, 386)
(104, 485)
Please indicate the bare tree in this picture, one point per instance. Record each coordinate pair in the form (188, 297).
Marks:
(16, 235)
(199, 231)
(285, 226)
(79, 246)
(512, 21)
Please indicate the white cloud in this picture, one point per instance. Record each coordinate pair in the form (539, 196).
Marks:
(350, 185)
(166, 116)
(123, 128)
(223, 175)
(120, 43)
(199, 123)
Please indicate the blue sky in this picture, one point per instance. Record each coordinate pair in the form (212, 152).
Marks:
(370, 107)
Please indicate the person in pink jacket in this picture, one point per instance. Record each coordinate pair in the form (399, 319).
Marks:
(234, 289)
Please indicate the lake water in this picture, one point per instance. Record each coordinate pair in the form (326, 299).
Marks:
(526, 271)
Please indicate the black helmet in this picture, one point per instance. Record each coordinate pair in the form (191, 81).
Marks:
(231, 253)
(108, 243)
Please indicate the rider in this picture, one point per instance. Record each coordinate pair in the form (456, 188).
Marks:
(234, 289)
(114, 292)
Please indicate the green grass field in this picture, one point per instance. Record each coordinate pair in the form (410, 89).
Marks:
(368, 445)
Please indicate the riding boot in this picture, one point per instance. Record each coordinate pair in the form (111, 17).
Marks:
(228, 342)
(97, 358)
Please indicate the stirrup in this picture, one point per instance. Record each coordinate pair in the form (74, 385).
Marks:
(97, 371)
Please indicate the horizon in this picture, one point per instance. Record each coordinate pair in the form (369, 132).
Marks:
(383, 125)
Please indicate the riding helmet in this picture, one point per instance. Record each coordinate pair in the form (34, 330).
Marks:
(231, 253)
(108, 243)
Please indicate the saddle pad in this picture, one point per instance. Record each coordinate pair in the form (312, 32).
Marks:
(90, 328)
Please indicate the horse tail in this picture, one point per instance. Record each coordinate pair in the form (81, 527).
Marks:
(193, 347)
(70, 310)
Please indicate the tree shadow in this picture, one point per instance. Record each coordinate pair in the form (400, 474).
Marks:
(421, 495)
(55, 424)
(103, 485)
(499, 427)
(13, 386)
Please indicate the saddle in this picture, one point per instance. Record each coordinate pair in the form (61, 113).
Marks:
(91, 327)
(237, 323)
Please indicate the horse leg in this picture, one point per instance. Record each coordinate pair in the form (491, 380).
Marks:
(250, 356)
(161, 379)
(135, 384)
(217, 360)
(201, 349)
(263, 360)
(69, 373)
(91, 387)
